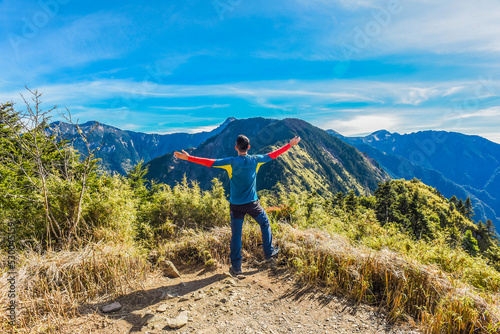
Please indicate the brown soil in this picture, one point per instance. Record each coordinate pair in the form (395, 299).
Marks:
(264, 301)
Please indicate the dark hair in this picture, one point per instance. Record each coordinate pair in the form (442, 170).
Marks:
(242, 142)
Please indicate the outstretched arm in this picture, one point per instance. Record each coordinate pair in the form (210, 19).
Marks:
(285, 148)
(202, 161)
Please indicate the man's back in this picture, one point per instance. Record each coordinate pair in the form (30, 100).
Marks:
(242, 172)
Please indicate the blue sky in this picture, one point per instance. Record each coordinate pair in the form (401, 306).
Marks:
(352, 66)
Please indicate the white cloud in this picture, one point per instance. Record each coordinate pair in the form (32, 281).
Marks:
(415, 96)
(194, 129)
(270, 94)
(395, 106)
(444, 27)
(453, 90)
(363, 124)
(493, 136)
(130, 126)
(492, 113)
(408, 119)
(438, 27)
(448, 26)
(208, 106)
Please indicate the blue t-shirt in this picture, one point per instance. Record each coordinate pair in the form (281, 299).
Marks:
(242, 172)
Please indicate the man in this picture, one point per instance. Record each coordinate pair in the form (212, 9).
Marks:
(243, 198)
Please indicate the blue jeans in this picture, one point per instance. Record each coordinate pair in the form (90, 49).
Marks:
(238, 213)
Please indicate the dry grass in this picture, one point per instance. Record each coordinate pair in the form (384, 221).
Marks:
(51, 287)
(402, 286)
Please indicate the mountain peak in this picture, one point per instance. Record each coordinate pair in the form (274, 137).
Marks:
(334, 133)
(90, 123)
(380, 135)
(223, 125)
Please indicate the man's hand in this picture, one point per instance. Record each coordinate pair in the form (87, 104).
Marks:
(294, 141)
(183, 156)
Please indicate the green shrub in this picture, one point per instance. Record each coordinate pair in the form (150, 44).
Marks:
(167, 211)
(111, 209)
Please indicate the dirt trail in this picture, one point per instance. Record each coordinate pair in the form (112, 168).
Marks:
(264, 301)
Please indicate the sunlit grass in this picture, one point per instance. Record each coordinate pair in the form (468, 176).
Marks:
(403, 286)
(51, 287)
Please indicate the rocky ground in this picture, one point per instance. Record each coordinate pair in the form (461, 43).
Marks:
(211, 301)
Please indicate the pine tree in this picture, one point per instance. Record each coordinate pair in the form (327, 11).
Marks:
(461, 207)
(418, 221)
(454, 200)
(468, 208)
(136, 176)
(8, 127)
(469, 243)
(482, 232)
(137, 181)
(493, 255)
(351, 202)
(403, 204)
(443, 222)
(386, 197)
(338, 200)
(453, 236)
(490, 228)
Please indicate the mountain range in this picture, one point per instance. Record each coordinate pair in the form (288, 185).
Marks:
(320, 163)
(325, 161)
(123, 149)
(453, 163)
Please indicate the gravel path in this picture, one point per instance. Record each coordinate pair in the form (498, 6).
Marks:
(262, 301)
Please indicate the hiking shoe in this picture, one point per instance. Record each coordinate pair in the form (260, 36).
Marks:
(274, 255)
(271, 262)
(235, 272)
